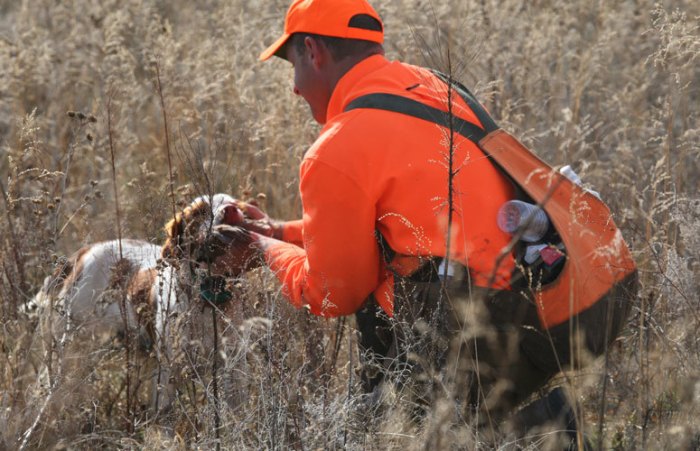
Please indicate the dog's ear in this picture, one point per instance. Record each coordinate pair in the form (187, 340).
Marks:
(174, 230)
(179, 229)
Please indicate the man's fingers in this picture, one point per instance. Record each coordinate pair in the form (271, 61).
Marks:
(230, 235)
(239, 213)
(252, 211)
(233, 215)
(261, 227)
(223, 239)
(228, 214)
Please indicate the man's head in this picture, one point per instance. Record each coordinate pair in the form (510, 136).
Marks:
(323, 39)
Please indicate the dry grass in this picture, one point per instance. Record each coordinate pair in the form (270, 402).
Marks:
(609, 86)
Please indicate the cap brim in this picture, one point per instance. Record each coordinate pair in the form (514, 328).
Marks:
(274, 48)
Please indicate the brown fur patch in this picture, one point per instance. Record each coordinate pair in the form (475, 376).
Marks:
(140, 290)
(173, 230)
(121, 274)
(183, 231)
(67, 272)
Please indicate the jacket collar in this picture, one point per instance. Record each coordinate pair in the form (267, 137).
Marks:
(344, 89)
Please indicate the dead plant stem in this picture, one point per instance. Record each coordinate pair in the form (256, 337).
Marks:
(15, 246)
(123, 309)
(215, 383)
(171, 181)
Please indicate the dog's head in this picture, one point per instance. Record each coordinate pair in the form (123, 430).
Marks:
(195, 238)
(187, 232)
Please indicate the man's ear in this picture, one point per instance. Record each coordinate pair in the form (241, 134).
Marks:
(317, 51)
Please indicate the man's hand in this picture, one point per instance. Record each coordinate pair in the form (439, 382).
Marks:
(250, 217)
(231, 250)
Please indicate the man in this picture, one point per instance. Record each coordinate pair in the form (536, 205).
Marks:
(399, 225)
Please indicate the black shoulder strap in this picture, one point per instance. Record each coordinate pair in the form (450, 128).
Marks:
(478, 109)
(410, 107)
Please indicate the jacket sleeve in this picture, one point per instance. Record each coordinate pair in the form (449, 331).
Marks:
(293, 232)
(339, 265)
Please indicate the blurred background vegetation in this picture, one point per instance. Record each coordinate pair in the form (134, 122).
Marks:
(611, 88)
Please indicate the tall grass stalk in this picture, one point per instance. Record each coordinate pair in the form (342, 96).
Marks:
(122, 272)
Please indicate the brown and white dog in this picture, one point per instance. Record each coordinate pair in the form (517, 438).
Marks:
(99, 294)
(117, 289)
(84, 292)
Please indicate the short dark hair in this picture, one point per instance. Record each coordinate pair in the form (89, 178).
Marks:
(340, 48)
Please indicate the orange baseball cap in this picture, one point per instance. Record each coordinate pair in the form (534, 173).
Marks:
(336, 18)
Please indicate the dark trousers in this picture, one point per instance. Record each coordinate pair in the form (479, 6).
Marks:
(488, 346)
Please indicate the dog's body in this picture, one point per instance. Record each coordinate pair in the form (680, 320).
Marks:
(102, 293)
(99, 291)
(122, 290)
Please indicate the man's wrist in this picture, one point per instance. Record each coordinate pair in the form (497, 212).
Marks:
(277, 228)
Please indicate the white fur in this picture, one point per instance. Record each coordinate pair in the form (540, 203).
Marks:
(184, 332)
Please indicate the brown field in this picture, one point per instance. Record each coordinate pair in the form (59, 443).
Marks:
(86, 91)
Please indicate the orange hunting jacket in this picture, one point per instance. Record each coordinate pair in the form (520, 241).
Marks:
(374, 170)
